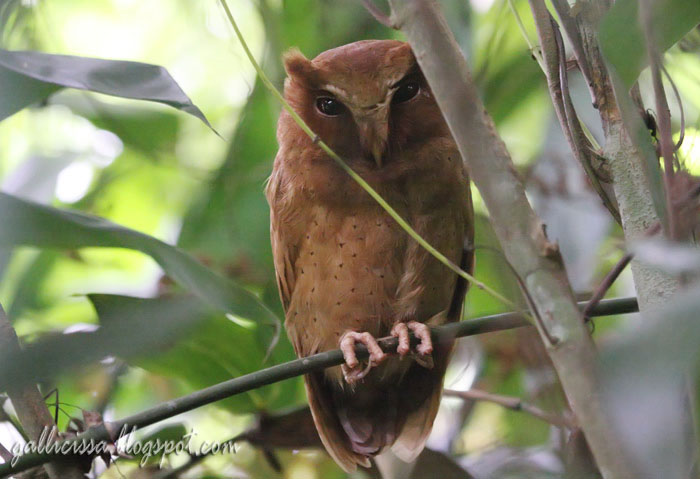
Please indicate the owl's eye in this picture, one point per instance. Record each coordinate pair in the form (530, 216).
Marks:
(405, 92)
(329, 106)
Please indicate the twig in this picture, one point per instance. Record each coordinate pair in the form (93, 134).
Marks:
(378, 15)
(298, 367)
(681, 135)
(536, 54)
(29, 405)
(577, 42)
(5, 454)
(4, 417)
(662, 110)
(554, 58)
(604, 285)
(360, 181)
(514, 404)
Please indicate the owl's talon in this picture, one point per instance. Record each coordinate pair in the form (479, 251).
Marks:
(424, 349)
(352, 371)
(400, 331)
(422, 332)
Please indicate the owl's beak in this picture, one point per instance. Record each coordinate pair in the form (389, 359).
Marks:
(374, 132)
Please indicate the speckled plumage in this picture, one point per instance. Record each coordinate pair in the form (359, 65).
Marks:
(343, 264)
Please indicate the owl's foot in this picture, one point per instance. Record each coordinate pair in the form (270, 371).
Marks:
(424, 348)
(353, 371)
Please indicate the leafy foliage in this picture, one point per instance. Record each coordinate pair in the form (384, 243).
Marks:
(622, 38)
(94, 281)
(33, 76)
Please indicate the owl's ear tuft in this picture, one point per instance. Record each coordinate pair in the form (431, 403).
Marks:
(299, 68)
(401, 57)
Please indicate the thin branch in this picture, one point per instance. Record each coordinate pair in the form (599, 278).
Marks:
(514, 404)
(30, 406)
(378, 15)
(577, 42)
(662, 110)
(4, 417)
(554, 57)
(5, 454)
(677, 94)
(604, 286)
(357, 178)
(536, 54)
(298, 367)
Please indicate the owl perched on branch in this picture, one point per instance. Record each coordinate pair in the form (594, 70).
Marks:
(347, 272)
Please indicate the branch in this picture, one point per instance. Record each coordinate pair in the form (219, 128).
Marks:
(30, 406)
(378, 15)
(5, 454)
(628, 149)
(514, 404)
(554, 59)
(520, 231)
(662, 110)
(604, 285)
(298, 367)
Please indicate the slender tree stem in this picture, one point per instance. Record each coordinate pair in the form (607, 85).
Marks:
(30, 407)
(5, 454)
(512, 403)
(536, 260)
(606, 283)
(662, 111)
(298, 367)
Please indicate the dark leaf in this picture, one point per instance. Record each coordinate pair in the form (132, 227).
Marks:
(622, 39)
(27, 223)
(28, 77)
(217, 350)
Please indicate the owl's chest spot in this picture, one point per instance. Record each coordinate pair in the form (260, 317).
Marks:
(349, 266)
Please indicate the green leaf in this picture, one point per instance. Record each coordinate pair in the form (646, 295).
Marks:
(28, 77)
(622, 39)
(27, 223)
(217, 350)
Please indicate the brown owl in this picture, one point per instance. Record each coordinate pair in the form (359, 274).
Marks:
(347, 273)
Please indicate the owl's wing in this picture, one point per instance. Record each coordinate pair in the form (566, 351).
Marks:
(287, 229)
(285, 234)
(419, 422)
(467, 261)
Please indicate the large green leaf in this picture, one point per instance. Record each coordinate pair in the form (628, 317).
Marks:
(27, 223)
(622, 39)
(28, 77)
(217, 350)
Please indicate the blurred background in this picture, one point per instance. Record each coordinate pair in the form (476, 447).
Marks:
(164, 173)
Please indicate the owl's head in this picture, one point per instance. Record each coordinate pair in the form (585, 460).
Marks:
(367, 100)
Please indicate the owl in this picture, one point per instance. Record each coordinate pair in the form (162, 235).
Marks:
(347, 272)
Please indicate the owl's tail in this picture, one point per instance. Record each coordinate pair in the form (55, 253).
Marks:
(328, 424)
(357, 424)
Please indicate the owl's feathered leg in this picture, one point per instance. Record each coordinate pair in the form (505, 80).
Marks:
(352, 371)
(424, 348)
